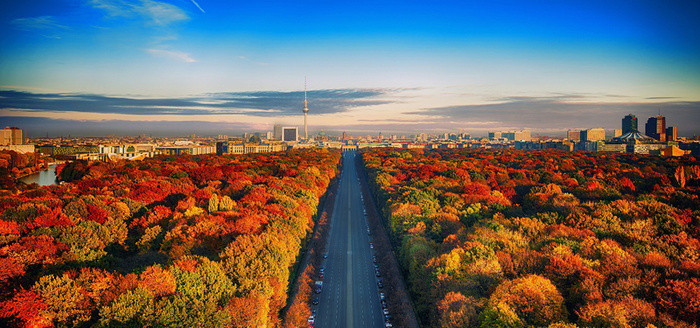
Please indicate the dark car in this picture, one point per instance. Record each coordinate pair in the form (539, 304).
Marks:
(315, 301)
(377, 274)
(380, 284)
(318, 290)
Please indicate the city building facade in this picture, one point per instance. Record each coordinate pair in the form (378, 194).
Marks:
(629, 124)
(11, 136)
(290, 134)
(656, 128)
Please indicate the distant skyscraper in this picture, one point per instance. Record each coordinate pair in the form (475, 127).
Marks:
(656, 128)
(277, 132)
(617, 133)
(629, 123)
(12, 136)
(593, 134)
(671, 133)
(290, 134)
(574, 135)
(306, 111)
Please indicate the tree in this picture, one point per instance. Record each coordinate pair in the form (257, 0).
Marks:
(65, 300)
(528, 301)
(679, 297)
(457, 311)
(213, 204)
(135, 308)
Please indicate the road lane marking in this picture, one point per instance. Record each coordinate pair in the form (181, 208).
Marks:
(349, 290)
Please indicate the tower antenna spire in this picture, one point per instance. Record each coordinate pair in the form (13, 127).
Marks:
(306, 111)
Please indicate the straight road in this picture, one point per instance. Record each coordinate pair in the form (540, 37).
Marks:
(349, 296)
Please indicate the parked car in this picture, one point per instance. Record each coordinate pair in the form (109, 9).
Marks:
(315, 301)
(380, 284)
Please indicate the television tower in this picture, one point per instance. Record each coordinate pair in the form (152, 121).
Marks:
(306, 111)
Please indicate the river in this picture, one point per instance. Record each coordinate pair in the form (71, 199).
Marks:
(43, 177)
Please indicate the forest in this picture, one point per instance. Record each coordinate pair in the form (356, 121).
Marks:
(506, 238)
(14, 165)
(182, 241)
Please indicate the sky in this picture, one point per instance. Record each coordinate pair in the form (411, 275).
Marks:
(177, 67)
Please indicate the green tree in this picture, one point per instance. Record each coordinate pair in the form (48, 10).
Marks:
(135, 308)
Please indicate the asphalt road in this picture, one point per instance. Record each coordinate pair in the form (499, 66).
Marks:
(349, 296)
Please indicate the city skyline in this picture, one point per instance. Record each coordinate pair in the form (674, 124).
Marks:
(160, 67)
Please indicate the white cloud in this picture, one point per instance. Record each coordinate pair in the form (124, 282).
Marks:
(161, 13)
(44, 25)
(177, 55)
(200, 8)
(152, 12)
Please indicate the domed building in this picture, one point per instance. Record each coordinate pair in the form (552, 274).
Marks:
(633, 136)
(638, 142)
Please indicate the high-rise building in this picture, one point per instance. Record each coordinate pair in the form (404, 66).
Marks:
(574, 135)
(522, 135)
(306, 111)
(221, 147)
(617, 133)
(12, 136)
(629, 124)
(290, 134)
(671, 133)
(277, 132)
(656, 128)
(494, 135)
(596, 134)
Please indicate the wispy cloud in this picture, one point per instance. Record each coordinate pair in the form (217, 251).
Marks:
(177, 55)
(44, 25)
(260, 103)
(546, 113)
(200, 8)
(151, 12)
(161, 13)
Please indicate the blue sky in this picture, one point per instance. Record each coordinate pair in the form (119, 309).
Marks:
(390, 66)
